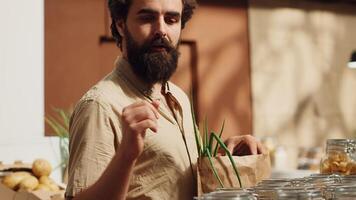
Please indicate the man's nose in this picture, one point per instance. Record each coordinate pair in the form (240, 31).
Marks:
(160, 28)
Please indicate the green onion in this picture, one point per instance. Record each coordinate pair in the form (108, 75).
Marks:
(213, 167)
(230, 157)
(196, 132)
(220, 134)
(205, 146)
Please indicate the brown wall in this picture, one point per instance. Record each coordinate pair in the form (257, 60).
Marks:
(224, 73)
(74, 59)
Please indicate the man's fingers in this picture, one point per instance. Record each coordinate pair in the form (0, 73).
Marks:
(245, 145)
(230, 147)
(143, 125)
(260, 148)
(253, 148)
(136, 104)
(153, 106)
(252, 144)
(140, 113)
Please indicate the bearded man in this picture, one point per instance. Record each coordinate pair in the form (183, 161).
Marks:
(131, 135)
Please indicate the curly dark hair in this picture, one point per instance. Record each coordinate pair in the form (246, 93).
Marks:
(119, 10)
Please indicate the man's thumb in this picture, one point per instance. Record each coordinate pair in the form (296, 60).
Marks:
(155, 103)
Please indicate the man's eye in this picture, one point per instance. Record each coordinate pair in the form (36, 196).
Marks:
(171, 20)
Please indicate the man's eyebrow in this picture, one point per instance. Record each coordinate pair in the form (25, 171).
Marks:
(147, 11)
(151, 11)
(173, 13)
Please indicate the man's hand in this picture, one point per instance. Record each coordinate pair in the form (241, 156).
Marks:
(115, 180)
(244, 145)
(136, 119)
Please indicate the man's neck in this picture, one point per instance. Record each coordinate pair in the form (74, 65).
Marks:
(156, 90)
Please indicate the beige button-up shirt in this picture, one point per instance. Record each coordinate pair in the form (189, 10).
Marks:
(163, 170)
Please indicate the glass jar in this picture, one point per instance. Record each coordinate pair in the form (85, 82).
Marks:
(348, 180)
(339, 158)
(264, 193)
(227, 195)
(311, 195)
(344, 193)
(321, 181)
(299, 194)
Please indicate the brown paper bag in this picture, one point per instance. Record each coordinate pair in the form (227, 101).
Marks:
(252, 169)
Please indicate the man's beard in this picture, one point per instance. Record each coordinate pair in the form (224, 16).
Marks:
(152, 66)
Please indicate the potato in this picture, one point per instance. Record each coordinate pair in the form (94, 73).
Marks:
(29, 183)
(13, 180)
(45, 180)
(54, 187)
(48, 182)
(41, 167)
(44, 187)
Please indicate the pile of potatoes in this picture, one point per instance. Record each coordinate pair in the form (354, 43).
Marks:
(37, 180)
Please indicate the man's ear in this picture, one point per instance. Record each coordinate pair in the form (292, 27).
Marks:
(120, 25)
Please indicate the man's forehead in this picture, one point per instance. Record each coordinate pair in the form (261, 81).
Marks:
(161, 6)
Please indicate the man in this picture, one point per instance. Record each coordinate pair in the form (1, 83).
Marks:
(131, 135)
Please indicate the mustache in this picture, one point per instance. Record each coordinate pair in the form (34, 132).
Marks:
(161, 42)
